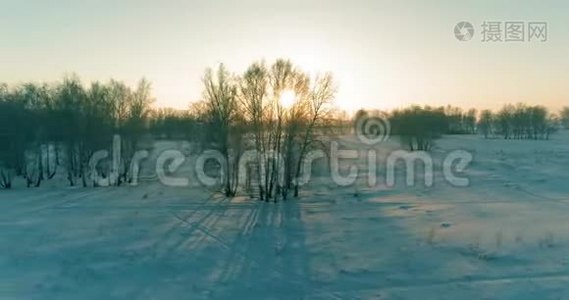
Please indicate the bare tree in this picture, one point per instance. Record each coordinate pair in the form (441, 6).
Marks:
(222, 117)
(318, 111)
(135, 126)
(253, 98)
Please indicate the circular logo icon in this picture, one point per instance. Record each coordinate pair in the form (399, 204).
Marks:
(373, 129)
(463, 31)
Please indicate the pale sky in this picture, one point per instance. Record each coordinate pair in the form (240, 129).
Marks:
(383, 54)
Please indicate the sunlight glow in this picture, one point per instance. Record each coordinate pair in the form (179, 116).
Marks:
(288, 98)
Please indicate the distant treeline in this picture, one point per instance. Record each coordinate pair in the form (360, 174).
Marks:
(417, 127)
(521, 121)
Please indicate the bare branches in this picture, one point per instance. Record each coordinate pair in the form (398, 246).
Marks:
(282, 134)
(221, 113)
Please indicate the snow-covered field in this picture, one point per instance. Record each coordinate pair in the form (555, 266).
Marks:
(505, 236)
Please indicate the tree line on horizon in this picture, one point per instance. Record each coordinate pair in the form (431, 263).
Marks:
(46, 128)
(521, 121)
(419, 126)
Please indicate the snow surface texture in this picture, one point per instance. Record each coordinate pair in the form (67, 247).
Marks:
(506, 236)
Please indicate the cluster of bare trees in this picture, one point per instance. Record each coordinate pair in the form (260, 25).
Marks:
(45, 126)
(418, 127)
(518, 122)
(246, 113)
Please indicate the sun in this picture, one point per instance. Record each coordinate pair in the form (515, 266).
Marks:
(287, 98)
